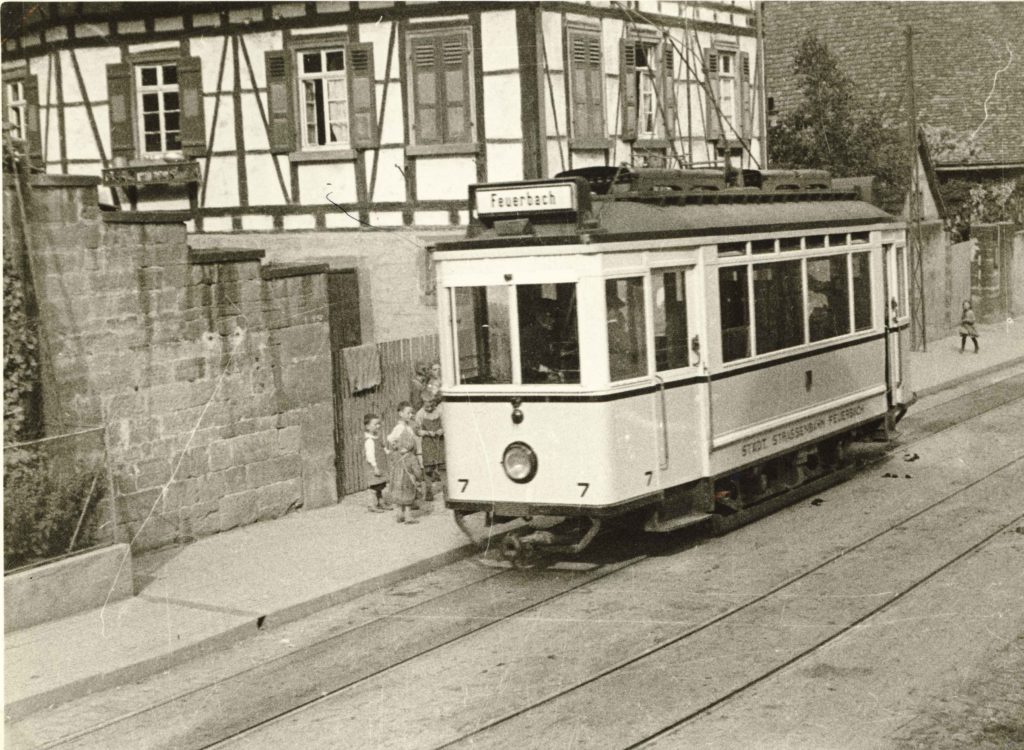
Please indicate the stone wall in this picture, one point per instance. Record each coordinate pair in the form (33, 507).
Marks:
(210, 373)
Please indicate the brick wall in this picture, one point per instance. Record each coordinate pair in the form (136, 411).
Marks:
(213, 381)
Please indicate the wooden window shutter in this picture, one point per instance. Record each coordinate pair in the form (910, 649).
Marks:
(456, 83)
(33, 133)
(193, 120)
(586, 86)
(747, 117)
(627, 88)
(119, 94)
(362, 87)
(425, 82)
(713, 123)
(668, 88)
(279, 101)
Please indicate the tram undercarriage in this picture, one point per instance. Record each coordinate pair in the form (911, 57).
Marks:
(721, 504)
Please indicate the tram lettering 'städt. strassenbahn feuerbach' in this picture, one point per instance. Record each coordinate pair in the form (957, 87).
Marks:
(669, 346)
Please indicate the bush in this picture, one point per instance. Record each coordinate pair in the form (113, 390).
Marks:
(42, 505)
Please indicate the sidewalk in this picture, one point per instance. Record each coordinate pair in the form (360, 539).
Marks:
(223, 588)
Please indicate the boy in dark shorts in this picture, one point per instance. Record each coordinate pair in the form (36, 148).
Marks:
(376, 459)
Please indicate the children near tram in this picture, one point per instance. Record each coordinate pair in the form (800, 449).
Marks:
(405, 474)
(431, 432)
(377, 461)
(420, 380)
(967, 321)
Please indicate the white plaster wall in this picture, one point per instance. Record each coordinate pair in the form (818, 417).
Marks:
(223, 137)
(316, 181)
(444, 178)
(52, 147)
(222, 186)
(502, 108)
(262, 180)
(504, 162)
(556, 111)
(551, 27)
(557, 163)
(390, 185)
(72, 94)
(377, 34)
(101, 113)
(254, 131)
(93, 61)
(588, 159)
(210, 49)
(499, 41)
(80, 141)
(392, 129)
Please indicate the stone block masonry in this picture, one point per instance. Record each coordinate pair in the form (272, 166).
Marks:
(213, 383)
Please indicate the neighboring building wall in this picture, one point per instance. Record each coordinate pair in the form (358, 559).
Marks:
(213, 383)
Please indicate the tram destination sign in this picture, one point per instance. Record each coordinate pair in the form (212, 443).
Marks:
(549, 197)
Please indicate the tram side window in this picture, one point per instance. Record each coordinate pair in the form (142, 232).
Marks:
(671, 336)
(828, 297)
(734, 306)
(778, 306)
(549, 342)
(627, 328)
(901, 280)
(861, 291)
(482, 331)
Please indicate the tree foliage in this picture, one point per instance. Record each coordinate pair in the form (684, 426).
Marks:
(832, 128)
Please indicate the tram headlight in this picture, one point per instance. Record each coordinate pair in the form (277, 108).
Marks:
(519, 462)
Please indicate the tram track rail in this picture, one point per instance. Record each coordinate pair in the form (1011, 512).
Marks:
(973, 405)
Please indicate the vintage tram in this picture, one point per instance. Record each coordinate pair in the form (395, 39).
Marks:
(663, 344)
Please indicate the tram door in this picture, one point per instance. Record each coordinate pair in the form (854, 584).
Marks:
(896, 317)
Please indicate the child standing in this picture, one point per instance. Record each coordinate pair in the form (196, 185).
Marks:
(431, 432)
(967, 321)
(406, 473)
(377, 460)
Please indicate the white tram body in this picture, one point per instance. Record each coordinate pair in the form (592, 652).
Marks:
(664, 346)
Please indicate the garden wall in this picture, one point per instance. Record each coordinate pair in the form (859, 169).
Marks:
(209, 372)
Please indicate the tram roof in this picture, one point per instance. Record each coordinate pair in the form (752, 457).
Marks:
(619, 220)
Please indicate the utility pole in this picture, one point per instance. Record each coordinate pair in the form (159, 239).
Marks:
(919, 338)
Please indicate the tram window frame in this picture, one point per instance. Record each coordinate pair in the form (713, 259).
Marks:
(817, 328)
(674, 351)
(762, 247)
(632, 313)
(732, 249)
(862, 306)
(901, 281)
(838, 240)
(739, 307)
(789, 244)
(774, 310)
(814, 242)
(481, 332)
(561, 348)
(860, 238)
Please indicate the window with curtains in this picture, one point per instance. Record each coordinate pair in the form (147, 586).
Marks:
(21, 111)
(586, 89)
(441, 87)
(321, 97)
(15, 108)
(647, 84)
(159, 109)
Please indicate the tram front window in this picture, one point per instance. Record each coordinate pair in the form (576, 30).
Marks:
(482, 332)
(548, 334)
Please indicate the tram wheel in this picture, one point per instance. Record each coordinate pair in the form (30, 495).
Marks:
(517, 553)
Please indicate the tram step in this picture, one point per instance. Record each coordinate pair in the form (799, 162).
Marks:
(655, 523)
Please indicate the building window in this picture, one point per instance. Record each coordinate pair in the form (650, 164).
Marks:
(734, 310)
(442, 99)
(647, 88)
(156, 107)
(324, 98)
(778, 305)
(627, 328)
(727, 87)
(586, 86)
(16, 109)
(159, 108)
(646, 70)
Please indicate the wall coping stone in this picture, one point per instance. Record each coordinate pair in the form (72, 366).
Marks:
(146, 217)
(63, 180)
(203, 255)
(286, 270)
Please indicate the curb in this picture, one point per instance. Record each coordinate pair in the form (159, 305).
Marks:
(939, 387)
(148, 667)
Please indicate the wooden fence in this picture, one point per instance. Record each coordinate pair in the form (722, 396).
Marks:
(397, 363)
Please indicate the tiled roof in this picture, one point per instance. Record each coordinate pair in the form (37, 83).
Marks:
(958, 50)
